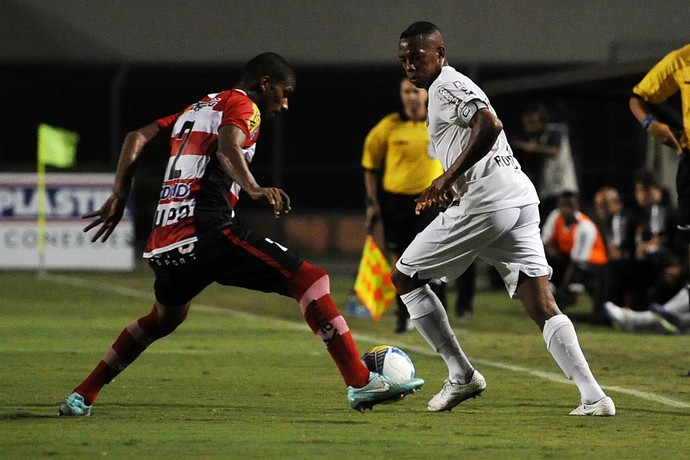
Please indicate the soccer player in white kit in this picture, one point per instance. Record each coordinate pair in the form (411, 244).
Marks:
(493, 214)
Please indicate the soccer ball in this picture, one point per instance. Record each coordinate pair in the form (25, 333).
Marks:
(389, 361)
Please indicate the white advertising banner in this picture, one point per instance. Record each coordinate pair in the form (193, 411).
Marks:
(67, 247)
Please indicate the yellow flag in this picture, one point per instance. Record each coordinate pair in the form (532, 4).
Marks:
(373, 284)
(56, 146)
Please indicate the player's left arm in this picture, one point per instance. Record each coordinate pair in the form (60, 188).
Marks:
(485, 129)
(231, 157)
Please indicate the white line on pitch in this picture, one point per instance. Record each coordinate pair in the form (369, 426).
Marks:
(558, 378)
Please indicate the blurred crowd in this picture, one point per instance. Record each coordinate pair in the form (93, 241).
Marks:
(625, 254)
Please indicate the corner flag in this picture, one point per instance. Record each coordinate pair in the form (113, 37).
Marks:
(56, 146)
(373, 285)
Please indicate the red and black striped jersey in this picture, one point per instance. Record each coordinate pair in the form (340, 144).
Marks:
(197, 196)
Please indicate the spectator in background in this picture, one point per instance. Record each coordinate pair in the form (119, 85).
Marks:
(659, 259)
(654, 279)
(399, 164)
(575, 250)
(617, 226)
(543, 149)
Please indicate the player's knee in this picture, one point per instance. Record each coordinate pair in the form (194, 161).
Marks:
(404, 283)
(308, 283)
(169, 318)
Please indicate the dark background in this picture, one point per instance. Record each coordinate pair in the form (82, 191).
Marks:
(314, 149)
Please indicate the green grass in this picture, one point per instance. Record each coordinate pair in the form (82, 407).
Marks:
(243, 377)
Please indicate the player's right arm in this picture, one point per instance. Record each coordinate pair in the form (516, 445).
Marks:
(108, 216)
(231, 157)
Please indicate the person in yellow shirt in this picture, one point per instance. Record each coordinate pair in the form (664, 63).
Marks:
(669, 76)
(399, 164)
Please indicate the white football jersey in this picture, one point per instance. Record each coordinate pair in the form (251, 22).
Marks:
(494, 182)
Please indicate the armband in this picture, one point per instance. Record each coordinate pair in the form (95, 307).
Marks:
(370, 201)
(647, 121)
(467, 111)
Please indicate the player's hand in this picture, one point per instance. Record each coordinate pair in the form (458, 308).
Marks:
(437, 194)
(664, 134)
(108, 216)
(276, 197)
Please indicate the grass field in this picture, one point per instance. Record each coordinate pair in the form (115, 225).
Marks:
(245, 378)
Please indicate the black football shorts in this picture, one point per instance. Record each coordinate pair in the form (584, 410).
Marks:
(235, 257)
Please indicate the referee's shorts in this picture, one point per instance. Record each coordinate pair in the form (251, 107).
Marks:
(683, 190)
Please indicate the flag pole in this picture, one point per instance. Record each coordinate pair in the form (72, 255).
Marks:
(41, 217)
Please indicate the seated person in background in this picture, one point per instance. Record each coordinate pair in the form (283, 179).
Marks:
(617, 226)
(656, 275)
(658, 266)
(575, 250)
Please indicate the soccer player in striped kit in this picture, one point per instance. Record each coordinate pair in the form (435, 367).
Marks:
(493, 214)
(195, 241)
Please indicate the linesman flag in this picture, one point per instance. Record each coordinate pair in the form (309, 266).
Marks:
(373, 284)
(56, 146)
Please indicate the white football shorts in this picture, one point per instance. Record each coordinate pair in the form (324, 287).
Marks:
(508, 239)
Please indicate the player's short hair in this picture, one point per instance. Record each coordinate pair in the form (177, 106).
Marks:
(419, 27)
(271, 64)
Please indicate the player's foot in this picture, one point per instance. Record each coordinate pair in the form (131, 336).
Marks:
(604, 408)
(453, 393)
(380, 389)
(618, 316)
(74, 405)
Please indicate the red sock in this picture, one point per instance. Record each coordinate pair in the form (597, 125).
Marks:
(131, 342)
(310, 287)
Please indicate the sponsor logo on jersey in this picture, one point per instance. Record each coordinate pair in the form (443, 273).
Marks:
(203, 104)
(448, 97)
(174, 191)
(172, 213)
(254, 121)
(464, 88)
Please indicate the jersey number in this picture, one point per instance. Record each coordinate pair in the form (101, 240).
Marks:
(185, 133)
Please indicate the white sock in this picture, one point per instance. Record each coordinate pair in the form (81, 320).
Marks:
(679, 303)
(561, 341)
(430, 319)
